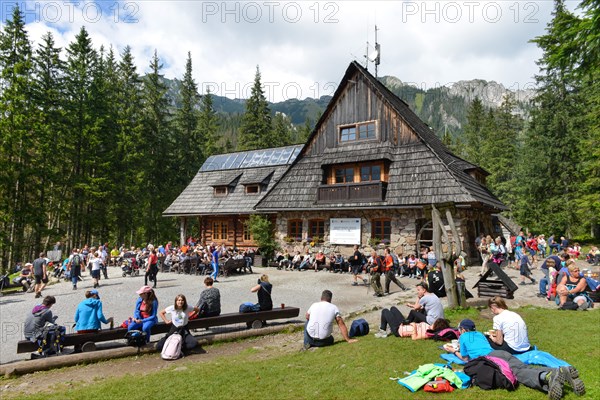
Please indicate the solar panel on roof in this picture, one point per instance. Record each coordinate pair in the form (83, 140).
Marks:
(252, 158)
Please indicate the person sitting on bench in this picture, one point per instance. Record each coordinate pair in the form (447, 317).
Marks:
(89, 315)
(263, 290)
(178, 320)
(209, 304)
(146, 308)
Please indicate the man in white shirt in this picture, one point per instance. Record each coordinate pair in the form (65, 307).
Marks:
(319, 323)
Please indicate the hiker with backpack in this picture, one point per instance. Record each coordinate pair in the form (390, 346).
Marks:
(40, 328)
(146, 308)
(178, 319)
(74, 266)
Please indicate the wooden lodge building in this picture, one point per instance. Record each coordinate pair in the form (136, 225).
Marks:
(369, 172)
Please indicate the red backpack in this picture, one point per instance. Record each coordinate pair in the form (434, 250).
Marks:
(439, 385)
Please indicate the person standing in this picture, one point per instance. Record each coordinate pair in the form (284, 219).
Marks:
(75, 265)
(319, 323)
(95, 261)
(215, 263)
(152, 267)
(39, 274)
(389, 272)
(376, 271)
(356, 264)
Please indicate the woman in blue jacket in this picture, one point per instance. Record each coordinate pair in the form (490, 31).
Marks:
(146, 309)
(89, 316)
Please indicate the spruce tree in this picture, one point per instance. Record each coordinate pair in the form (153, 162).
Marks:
(187, 124)
(207, 127)
(157, 192)
(282, 129)
(17, 138)
(255, 130)
(473, 131)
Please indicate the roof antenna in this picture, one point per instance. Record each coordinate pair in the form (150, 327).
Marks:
(373, 56)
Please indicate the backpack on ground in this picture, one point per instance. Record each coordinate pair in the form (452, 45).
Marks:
(172, 347)
(359, 327)
(249, 307)
(489, 372)
(135, 338)
(444, 335)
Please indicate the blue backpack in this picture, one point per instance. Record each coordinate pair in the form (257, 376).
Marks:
(359, 327)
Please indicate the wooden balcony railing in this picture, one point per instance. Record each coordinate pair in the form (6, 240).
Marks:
(352, 192)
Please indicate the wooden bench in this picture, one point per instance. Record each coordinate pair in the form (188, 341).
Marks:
(232, 264)
(254, 320)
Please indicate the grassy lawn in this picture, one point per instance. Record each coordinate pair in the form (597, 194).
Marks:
(358, 371)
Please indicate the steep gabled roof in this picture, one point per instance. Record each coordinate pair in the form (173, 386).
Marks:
(233, 170)
(437, 177)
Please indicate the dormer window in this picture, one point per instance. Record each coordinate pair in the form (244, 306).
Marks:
(221, 191)
(252, 189)
(361, 131)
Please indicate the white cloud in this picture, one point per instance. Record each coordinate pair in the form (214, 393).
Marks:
(302, 47)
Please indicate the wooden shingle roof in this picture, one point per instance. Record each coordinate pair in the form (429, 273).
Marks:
(233, 170)
(420, 173)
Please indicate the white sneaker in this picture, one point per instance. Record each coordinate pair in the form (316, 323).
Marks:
(381, 334)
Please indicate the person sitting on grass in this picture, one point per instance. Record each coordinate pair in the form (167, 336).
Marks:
(473, 344)
(319, 323)
(510, 331)
(572, 287)
(427, 308)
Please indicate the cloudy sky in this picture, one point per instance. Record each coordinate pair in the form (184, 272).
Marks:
(304, 47)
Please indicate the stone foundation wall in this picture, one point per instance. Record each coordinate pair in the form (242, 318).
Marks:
(403, 230)
(403, 238)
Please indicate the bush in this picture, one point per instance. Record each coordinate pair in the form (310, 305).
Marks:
(262, 232)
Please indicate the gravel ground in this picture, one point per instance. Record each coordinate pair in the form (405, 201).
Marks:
(298, 289)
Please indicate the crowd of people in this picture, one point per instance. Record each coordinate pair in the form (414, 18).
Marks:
(89, 314)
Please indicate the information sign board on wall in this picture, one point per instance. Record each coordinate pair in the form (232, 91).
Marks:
(344, 230)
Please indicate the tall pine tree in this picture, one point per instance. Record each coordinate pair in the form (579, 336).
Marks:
(256, 130)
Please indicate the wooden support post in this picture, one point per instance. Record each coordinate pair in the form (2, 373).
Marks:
(447, 268)
(182, 231)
